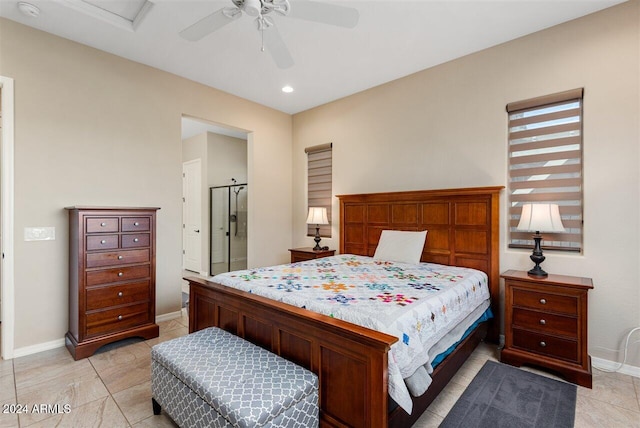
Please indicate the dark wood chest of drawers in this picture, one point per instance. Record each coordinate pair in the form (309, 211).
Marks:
(112, 271)
(546, 324)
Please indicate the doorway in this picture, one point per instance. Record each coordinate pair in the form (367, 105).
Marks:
(223, 155)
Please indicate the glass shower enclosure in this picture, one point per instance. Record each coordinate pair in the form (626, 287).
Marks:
(228, 226)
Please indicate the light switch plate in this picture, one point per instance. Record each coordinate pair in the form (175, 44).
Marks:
(39, 233)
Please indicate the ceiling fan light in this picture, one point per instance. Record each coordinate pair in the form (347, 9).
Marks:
(287, 89)
(252, 7)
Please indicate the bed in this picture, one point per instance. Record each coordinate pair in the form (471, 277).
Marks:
(352, 361)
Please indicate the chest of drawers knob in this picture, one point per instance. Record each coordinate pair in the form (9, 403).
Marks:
(120, 274)
(543, 301)
(120, 257)
(135, 240)
(543, 322)
(119, 317)
(103, 241)
(136, 224)
(103, 224)
(120, 294)
(543, 344)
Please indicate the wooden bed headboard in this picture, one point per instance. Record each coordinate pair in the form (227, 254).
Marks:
(463, 228)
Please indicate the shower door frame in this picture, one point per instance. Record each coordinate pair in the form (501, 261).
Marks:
(228, 236)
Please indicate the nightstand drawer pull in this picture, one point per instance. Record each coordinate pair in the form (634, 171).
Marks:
(135, 240)
(136, 224)
(543, 322)
(543, 301)
(119, 317)
(120, 274)
(103, 241)
(543, 344)
(120, 294)
(103, 224)
(120, 257)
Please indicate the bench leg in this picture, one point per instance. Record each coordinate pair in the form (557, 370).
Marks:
(156, 406)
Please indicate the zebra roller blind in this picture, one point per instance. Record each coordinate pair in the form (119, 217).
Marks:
(545, 165)
(319, 180)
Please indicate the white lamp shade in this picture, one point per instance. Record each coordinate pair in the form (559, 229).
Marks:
(317, 215)
(540, 218)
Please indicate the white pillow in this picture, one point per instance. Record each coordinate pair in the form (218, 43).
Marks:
(400, 246)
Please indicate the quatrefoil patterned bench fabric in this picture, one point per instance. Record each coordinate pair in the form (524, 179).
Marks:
(213, 378)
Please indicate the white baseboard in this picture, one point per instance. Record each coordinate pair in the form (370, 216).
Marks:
(613, 366)
(40, 347)
(169, 316)
(59, 343)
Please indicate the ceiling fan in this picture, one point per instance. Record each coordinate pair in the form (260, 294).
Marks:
(263, 10)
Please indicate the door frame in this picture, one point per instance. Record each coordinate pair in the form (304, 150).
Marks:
(7, 219)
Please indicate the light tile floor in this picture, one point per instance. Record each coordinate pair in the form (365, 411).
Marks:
(112, 389)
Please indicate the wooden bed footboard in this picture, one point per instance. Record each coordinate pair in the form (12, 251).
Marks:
(350, 361)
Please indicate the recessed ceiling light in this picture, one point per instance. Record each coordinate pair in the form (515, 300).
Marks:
(287, 89)
(28, 9)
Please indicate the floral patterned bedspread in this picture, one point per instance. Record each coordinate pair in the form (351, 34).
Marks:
(419, 304)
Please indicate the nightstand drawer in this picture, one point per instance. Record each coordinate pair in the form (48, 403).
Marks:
(546, 345)
(545, 301)
(546, 322)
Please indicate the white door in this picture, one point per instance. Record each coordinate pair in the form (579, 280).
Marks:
(191, 216)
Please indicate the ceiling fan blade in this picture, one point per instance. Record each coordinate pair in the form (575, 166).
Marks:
(209, 24)
(276, 47)
(325, 13)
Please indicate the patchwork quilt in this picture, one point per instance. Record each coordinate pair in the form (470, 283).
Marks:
(419, 304)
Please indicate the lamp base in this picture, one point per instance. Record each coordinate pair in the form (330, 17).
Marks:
(537, 258)
(537, 272)
(317, 239)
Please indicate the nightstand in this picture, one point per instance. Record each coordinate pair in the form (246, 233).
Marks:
(308, 253)
(546, 324)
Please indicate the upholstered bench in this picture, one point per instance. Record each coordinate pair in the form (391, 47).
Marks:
(212, 378)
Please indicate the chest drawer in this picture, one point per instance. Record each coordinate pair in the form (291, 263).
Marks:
(136, 224)
(102, 242)
(105, 276)
(542, 301)
(545, 322)
(136, 240)
(114, 295)
(102, 224)
(114, 258)
(117, 319)
(539, 343)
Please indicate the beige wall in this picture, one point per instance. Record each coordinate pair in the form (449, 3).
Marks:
(446, 127)
(95, 129)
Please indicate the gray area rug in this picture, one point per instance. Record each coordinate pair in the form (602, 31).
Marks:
(505, 396)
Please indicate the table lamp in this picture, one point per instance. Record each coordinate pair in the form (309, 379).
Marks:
(539, 218)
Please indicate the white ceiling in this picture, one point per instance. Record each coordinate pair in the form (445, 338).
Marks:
(392, 39)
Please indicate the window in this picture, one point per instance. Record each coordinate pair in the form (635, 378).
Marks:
(545, 165)
(319, 184)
